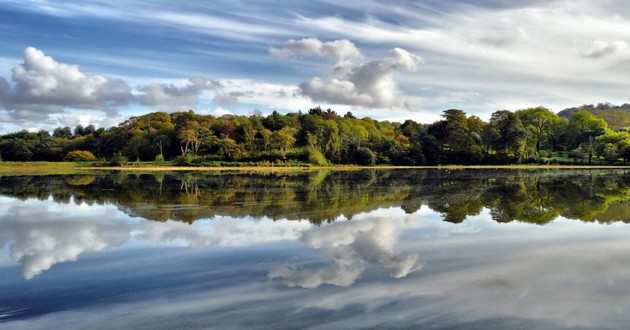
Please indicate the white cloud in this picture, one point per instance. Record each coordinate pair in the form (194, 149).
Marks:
(352, 245)
(341, 50)
(517, 55)
(42, 86)
(170, 97)
(370, 85)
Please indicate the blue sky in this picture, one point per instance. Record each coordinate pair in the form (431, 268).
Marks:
(98, 62)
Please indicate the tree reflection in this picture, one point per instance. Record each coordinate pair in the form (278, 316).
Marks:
(532, 196)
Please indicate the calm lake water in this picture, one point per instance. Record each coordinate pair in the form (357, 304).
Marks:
(434, 249)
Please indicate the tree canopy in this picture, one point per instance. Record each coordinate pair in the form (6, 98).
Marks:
(324, 137)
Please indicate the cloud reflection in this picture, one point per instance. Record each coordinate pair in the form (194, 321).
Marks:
(352, 245)
(40, 237)
(42, 234)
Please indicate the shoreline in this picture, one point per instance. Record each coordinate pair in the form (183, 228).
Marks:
(347, 168)
(66, 167)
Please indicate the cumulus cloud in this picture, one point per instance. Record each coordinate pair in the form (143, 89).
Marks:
(371, 84)
(171, 97)
(352, 245)
(599, 49)
(42, 86)
(340, 50)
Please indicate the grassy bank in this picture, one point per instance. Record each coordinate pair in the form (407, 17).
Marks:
(19, 168)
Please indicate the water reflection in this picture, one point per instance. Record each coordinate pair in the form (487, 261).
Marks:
(351, 245)
(534, 196)
(201, 250)
(40, 234)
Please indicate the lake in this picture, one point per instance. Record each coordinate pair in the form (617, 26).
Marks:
(433, 249)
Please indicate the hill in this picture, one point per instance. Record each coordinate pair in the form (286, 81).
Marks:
(616, 116)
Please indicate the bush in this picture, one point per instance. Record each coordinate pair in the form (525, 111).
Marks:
(117, 160)
(364, 156)
(79, 156)
(185, 160)
(316, 157)
(159, 158)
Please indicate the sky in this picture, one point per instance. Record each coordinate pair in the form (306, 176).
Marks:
(64, 63)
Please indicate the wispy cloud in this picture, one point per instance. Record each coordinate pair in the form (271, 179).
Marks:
(508, 55)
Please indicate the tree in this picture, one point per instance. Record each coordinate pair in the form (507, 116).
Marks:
(229, 149)
(540, 123)
(506, 133)
(610, 153)
(263, 140)
(162, 141)
(283, 139)
(583, 127)
(364, 156)
(63, 132)
(192, 135)
(457, 139)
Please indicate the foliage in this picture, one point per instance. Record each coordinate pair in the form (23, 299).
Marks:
(79, 156)
(364, 156)
(117, 160)
(535, 197)
(322, 137)
(316, 157)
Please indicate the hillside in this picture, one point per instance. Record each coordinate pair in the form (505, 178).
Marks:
(616, 116)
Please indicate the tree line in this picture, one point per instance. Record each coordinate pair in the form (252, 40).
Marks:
(324, 137)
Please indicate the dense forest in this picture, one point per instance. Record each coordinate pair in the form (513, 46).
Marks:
(591, 134)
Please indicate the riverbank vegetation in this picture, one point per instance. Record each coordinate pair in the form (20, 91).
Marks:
(323, 137)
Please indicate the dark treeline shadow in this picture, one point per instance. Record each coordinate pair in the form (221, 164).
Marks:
(532, 196)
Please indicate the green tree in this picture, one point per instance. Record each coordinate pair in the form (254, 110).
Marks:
(506, 133)
(540, 123)
(583, 127)
(458, 140)
(610, 153)
(229, 149)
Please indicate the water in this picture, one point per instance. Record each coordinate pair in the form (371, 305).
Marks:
(435, 249)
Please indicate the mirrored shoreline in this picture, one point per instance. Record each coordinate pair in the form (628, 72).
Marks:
(532, 196)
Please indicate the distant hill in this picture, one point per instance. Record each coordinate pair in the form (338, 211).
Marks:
(617, 116)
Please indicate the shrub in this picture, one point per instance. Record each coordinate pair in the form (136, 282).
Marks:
(159, 158)
(185, 160)
(316, 157)
(79, 156)
(364, 156)
(117, 160)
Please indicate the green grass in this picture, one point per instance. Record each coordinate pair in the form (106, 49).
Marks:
(29, 168)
